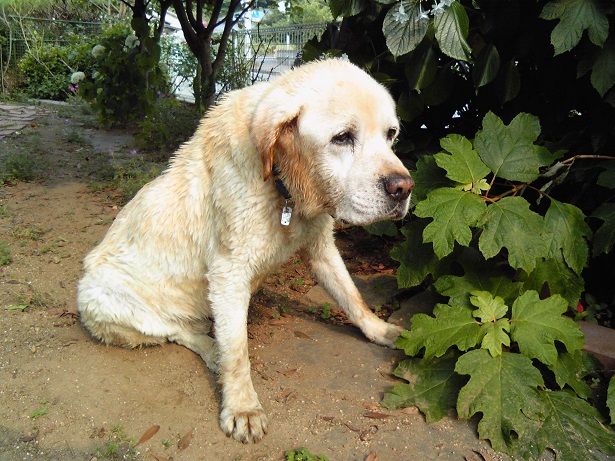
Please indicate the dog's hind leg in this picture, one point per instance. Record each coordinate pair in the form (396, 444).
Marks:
(201, 343)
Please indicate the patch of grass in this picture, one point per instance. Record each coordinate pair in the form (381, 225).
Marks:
(303, 454)
(19, 166)
(75, 137)
(4, 212)
(5, 254)
(118, 446)
(32, 232)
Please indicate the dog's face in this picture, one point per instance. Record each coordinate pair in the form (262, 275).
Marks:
(335, 145)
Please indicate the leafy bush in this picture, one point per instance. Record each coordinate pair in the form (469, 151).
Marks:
(18, 167)
(505, 215)
(516, 269)
(170, 123)
(126, 78)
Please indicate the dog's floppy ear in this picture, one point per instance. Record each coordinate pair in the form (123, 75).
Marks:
(275, 114)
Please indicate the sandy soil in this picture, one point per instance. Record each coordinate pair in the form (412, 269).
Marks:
(64, 396)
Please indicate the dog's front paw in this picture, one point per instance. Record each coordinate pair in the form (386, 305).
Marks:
(384, 333)
(246, 426)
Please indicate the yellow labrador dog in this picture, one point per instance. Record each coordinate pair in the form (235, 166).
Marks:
(265, 175)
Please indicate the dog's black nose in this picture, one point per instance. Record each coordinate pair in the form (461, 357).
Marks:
(398, 186)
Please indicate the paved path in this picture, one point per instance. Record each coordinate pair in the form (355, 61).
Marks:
(15, 117)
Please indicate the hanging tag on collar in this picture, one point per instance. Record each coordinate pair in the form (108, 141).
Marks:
(287, 212)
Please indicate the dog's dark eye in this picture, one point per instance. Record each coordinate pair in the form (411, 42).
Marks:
(345, 138)
(391, 134)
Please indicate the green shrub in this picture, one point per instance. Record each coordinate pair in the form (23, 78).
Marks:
(127, 78)
(170, 124)
(46, 70)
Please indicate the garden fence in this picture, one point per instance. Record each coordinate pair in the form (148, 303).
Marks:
(26, 32)
(265, 52)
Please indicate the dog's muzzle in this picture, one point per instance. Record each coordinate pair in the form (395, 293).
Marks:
(398, 186)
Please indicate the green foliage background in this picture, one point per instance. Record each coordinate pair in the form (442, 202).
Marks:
(508, 112)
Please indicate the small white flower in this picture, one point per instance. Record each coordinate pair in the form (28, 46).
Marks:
(401, 15)
(77, 77)
(438, 8)
(131, 41)
(98, 51)
(423, 14)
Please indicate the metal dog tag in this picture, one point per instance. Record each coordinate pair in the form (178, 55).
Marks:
(287, 212)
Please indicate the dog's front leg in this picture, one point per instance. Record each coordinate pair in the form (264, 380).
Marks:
(329, 269)
(242, 415)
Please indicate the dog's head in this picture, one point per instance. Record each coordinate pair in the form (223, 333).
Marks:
(330, 127)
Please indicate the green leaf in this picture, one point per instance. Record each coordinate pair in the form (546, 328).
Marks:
(575, 16)
(382, 228)
(479, 276)
(490, 308)
(409, 106)
(404, 27)
(451, 28)
(510, 223)
(572, 428)
(603, 70)
(509, 150)
(567, 230)
(570, 369)
(347, 8)
(607, 177)
(421, 65)
(496, 336)
(508, 83)
(432, 386)
(504, 390)
(610, 399)
(463, 165)
(486, 66)
(536, 324)
(560, 278)
(428, 176)
(451, 326)
(417, 259)
(453, 212)
(605, 235)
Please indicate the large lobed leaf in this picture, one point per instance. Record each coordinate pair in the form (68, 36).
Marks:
(570, 369)
(417, 259)
(610, 399)
(509, 150)
(451, 326)
(575, 16)
(567, 230)
(428, 176)
(558, 276)
(453, 212)
(510, 223)
(604, 238)
(504, 390)
(571, 427)
(461, 162)
(432, 386)
(536, 324)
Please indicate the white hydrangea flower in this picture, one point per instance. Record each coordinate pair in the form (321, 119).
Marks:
(131, 41)
(77, 77)
(98, 51)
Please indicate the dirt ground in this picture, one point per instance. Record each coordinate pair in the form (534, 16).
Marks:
(64, 396)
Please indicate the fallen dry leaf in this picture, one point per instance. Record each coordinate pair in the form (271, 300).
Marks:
(277, 322)
(289, 372)
(388, 376)
(327, 418)
(185, 441)
(410, 411)
(352, 428)
(160, 458)
(148, 434)
(300, 334)
(375, 415)
(372, 457)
